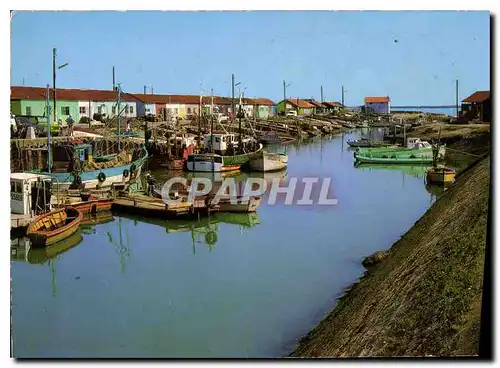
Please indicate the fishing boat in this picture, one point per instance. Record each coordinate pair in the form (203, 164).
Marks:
(396, 160)
(80, 167)
(54, 226)
(415, 152)
(265, 161)
(412, 145)
(207, 162)
(439, 174)
(88, 172)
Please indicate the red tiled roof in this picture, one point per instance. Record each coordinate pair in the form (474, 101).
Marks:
(332, 104)
(479, 96)
(300, 103)
(38, 93)
(314, 103)
(261, 101)
(377, 99)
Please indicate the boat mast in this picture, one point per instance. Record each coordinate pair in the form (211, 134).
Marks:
(212, 121)
(49, 151)
(239, 126)
(199, 123)
(118, 117)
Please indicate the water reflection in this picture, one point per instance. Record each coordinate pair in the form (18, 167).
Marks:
(122, 248)
(417, 171)
(203, 231)
(21, 250)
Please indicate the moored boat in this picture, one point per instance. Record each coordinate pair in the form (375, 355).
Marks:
(413, 146)
(440, 175)
(54, 226)
(265, 161)
(210, 162)
(223, 153)
(102, 171)
(401, 160)
(93, 206)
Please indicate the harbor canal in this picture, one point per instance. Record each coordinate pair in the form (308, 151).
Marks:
(232, 285)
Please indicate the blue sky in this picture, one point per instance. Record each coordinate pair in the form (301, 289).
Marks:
(414, 57)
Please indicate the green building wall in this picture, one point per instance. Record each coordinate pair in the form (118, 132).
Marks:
(37, 108)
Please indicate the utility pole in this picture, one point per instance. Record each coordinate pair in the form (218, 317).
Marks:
(342, 96)
(54, 51)
(321, 94)
(114, 86)
(456, 95)
(49, 148)
(284, 98)
(232, 99)
(144, 89)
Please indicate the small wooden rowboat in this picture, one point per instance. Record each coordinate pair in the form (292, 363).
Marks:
(52, 227)
(93, 205)
(441, 175)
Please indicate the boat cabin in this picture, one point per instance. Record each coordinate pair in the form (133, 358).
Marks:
(416, 143)
(30, 194)
(83, 152)
(221, 140)
(62, 155)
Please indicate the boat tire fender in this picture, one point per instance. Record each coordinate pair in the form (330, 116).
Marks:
(133, 168)
(78, 180)
(125, 173)
(101, 177)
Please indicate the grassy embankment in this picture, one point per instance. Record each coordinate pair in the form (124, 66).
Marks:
(424, 298)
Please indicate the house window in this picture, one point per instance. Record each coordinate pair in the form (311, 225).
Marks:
(189, 110)
(126, 109)
(99, 109)
(176, 111)
(131, 109)
(28, 110)
(113, 110)
(65, 110)
(83, 110)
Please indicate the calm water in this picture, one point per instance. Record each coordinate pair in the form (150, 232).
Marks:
(228, 286)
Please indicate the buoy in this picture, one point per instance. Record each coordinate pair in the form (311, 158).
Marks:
(101, 177)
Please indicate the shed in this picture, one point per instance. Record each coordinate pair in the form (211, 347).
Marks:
(477, 106)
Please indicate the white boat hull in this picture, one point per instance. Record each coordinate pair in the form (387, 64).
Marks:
(205, 166)
(269, 162)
